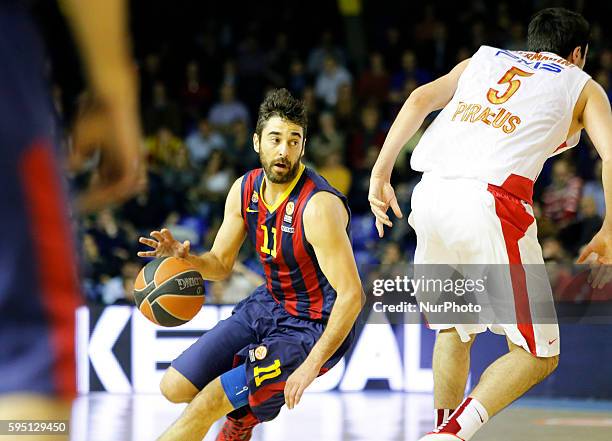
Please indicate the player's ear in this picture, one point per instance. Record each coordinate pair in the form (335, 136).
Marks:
(256, 143)
(578, 56)
(303, 148)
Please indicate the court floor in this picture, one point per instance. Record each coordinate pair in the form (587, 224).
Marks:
(364, 416)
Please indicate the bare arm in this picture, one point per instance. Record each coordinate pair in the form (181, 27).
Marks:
(216, 264)
(111, 124)
(325, 220)
(596, 118)
(597, 121)
(101, 31)
(424, 100)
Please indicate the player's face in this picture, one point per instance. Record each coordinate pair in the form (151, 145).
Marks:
(280, 148)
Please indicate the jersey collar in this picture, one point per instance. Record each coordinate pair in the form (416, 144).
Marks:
(284, 195)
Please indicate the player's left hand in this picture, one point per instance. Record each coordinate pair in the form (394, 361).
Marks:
(298, 381)
(382, 196)
(601, 263)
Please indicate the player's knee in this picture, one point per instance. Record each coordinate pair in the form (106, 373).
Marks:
(547, 365)
(176, 388)
(553, 363)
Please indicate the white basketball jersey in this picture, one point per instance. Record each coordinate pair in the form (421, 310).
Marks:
(512, 110)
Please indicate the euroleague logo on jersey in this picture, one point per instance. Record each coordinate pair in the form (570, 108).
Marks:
(289, 208)
(288, 218)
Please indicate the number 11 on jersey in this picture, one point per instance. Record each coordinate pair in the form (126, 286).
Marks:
(264, 247)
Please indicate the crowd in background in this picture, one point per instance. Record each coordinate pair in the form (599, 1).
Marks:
(200, 90)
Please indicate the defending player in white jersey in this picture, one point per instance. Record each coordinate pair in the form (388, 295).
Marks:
(503, 114)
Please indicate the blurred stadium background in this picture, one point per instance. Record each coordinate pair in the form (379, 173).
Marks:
(205, 66)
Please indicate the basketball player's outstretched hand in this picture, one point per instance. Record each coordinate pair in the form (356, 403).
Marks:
(164, 245)
(381, 197)
(601, 265)
(297, 383)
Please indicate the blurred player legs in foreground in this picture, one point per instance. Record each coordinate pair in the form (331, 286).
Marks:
(503, 114)
(39, 289)
(300, 322)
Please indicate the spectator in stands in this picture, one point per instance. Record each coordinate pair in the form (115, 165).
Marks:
(163, 112)
(374, 82)
(588, 224)
(336, 173)
(120, 289)
(327, 48)
(237, 287)
(594, 189)
(298, 79)
(312, 107)
(230, 73)
(329, 80)
(209, 195)
(327, 140)
(346, 113)
(195, 94)
(368, 135)
(562, 197)
(239, 152)
(203, 141)
(162, 148)
(279, 58)
(227, 110)
(409, 70)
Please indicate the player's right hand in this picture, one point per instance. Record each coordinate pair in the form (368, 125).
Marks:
(382, 196)
(598, 254)
(164, 245)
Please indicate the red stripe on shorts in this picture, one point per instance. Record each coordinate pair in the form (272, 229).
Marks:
(515, 221)
(264, 393)
(56, 262)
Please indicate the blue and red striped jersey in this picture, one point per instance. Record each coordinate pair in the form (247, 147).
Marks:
(293, 276)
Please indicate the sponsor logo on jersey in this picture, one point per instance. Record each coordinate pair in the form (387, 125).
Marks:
(532, 61)
(286, 229)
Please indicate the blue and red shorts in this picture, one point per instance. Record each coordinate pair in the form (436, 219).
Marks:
(270, 342)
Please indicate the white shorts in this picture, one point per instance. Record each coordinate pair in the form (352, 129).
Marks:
(465, 221)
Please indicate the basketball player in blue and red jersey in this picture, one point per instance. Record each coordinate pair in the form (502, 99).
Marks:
(300, 322)
(38, 285)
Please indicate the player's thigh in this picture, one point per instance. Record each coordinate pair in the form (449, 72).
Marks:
(213, 353)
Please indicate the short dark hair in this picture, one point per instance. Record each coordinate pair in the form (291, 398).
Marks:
(279, 102)
(557, 30)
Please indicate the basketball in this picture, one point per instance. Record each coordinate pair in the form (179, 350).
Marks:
(169, 291)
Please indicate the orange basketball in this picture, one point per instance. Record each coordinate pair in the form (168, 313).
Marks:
(169, 291)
